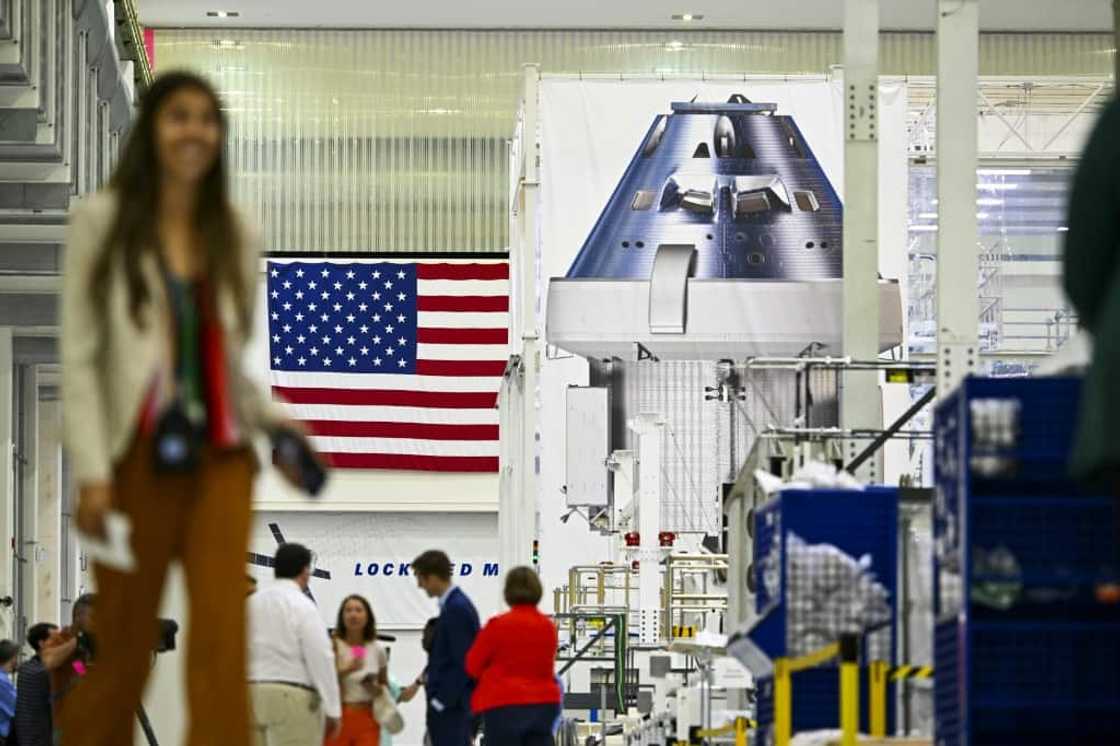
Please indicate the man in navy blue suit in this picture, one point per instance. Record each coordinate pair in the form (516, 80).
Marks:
(448, 687)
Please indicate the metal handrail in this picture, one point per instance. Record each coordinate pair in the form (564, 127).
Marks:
(132, 42)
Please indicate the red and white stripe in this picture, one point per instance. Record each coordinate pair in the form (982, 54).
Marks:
(443, 418)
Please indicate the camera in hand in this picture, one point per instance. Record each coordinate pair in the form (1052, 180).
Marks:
(165, 642)
(291, 451)
(177, 441)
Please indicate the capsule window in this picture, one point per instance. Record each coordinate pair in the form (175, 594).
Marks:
(751, 203)
(697, 200)
(806, 201)
(702, 151)
(643, 199)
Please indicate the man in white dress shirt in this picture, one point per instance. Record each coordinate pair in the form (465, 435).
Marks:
(293, 682)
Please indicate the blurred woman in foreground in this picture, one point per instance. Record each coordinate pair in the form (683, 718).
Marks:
(157, 305)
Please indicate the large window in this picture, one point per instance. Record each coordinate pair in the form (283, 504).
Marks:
(1021, 212)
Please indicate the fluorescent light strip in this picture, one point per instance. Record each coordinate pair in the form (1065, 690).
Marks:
(981, 202)
(935, 216)
(996, 187)
(1004, 171)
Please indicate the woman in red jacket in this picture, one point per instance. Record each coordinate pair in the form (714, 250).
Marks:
(512, 661)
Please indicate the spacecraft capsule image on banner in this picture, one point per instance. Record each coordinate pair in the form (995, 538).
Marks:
(736, 181)
(723, 238)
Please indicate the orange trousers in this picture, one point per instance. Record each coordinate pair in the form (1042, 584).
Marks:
(359, 728)
(202, 519)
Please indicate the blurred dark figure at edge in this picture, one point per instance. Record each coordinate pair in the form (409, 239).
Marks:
(9, 659)
(33, 723)
(161, 276)
(1092, 281)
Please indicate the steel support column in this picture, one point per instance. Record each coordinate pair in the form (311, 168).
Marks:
(861, 401)
(47, 549)
(27, 496)
(520, 528)
(1116, 45)
(650, 429)
(7, 478)
(957, 257)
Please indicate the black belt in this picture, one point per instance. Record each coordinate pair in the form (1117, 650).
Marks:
(305, 687)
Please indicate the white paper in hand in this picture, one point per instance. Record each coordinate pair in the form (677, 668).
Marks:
(115, 550)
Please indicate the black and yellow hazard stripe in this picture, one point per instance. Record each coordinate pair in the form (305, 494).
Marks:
(902, 673)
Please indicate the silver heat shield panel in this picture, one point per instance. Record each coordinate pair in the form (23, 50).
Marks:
(723, 318)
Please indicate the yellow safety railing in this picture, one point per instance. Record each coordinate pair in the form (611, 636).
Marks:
(880, 674)
(738, 728)
(847, 650)
(877, 691)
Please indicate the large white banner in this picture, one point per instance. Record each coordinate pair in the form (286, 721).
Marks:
(371, 554)
(590, 130)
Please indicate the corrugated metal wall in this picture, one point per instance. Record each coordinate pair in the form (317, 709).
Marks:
(364, 140)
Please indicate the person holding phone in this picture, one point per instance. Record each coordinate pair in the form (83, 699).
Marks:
(158, 297)
(363, 672)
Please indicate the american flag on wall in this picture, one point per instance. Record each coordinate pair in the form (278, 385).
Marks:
(392, 364)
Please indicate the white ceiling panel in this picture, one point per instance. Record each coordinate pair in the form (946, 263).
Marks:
(996, 15)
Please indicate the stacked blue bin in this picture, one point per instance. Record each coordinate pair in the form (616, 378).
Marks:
(863, 522)
(1023, 652)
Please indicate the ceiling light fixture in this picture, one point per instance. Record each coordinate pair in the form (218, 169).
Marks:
(674, 46)
(227, 44)
(1004, 171)
(688, 17)
(223, 14)
(935, 216)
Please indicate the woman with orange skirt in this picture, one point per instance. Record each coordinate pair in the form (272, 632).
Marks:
(363, 673)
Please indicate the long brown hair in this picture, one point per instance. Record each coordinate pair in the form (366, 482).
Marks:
(136, 184)
(369, 633)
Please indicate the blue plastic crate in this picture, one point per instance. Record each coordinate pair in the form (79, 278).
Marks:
(858, 522)
(1027, 682)
(1061, 544)
(1038, 444)
(948, 686)
(1023, 652)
